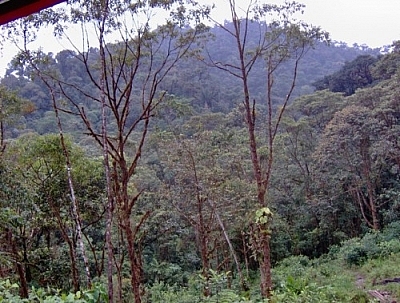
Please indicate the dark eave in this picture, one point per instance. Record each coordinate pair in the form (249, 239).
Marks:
(14, 9)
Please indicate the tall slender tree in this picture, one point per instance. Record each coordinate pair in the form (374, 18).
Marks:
(281, 39)
(124, 86)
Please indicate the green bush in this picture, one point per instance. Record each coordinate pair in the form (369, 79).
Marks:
(355, 253)
(373, 245)
(9, 293)
(392, 231)
(306, 293)
(160, 292)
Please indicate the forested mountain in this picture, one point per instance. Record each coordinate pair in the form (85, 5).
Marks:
(180, 167)
(204, 88)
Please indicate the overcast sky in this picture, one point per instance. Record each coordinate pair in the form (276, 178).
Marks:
(372, 22)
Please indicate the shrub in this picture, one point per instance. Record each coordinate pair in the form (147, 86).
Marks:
(392, 231)
(9, 293)
(300, 291)
(373, 245)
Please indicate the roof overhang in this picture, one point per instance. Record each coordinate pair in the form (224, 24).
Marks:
(14, 9)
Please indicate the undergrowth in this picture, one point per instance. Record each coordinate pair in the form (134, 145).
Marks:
(330, 278)
(345, 275)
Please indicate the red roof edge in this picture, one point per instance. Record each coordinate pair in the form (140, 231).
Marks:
(26, 10)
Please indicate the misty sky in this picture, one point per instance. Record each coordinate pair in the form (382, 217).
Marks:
(372, 22)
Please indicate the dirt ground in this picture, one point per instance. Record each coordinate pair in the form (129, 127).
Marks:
(381, 295)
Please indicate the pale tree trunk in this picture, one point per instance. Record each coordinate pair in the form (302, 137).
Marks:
(366, 204)
(231, 249)
(72, 257)
(79, 228)
(201, 228)
(374, 214)
(372, 203)
(71, 245)
(74, 202)
(245, 253)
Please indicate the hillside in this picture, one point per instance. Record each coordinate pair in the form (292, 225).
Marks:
(205, 88)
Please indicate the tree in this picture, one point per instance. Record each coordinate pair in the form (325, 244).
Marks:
(125, 79)
(204, 187)
(12, 108)
(16, 230)
(281, 40)
(358, 150)
(316, 109)
(346, 153)
(40, 165)
(37, 231)
(301, 130)
(353, 75)
(387, 65)
(311, 223)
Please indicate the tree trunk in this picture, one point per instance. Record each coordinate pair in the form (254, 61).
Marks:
(367, 172)
(2, 143)
(71, 249)
(23, 291)
(265, 267)
(74, 269)
(232, 250)
(135, 262)
(78, 225)
(205, 262)
(74, 202)
(203, 243)
(110, 198)
(374, 212)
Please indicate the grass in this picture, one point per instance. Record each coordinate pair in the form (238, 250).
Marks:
(379, 270)
(345, 275)
(321, 278)
(300, 280)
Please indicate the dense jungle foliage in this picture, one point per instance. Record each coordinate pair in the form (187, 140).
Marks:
(183, 175)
